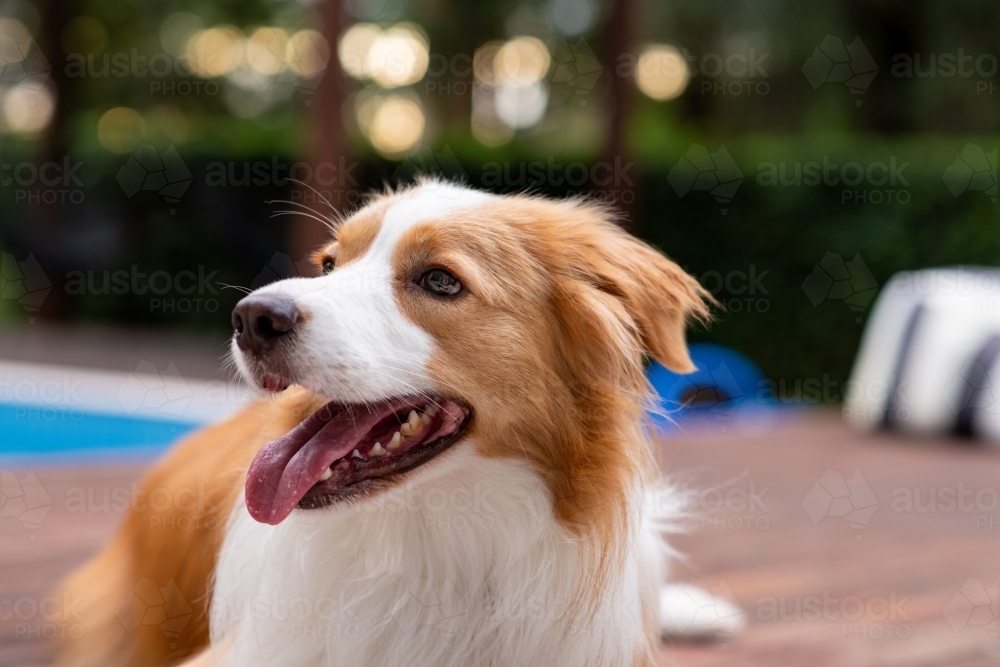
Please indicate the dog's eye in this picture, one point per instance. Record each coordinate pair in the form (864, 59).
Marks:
(327, 265)
(440, 282)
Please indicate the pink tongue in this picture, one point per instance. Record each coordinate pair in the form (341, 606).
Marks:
(285, 469)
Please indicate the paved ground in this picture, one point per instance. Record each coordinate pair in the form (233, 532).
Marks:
(843, 550)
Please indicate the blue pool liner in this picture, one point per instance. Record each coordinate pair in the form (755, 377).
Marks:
(37, 433)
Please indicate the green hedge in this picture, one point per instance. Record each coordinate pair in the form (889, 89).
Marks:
(781, 232)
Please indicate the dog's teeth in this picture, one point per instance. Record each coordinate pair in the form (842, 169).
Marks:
(356, 454)
(431, 411)
(397, 440)
(414, 423)
(327, 474)
(377, 450)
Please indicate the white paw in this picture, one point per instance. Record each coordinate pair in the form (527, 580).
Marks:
(688, 612)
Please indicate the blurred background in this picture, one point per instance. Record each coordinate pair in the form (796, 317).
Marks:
(753, 141)
(159, 157)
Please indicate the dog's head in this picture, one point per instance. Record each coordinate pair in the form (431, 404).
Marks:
(447, 318)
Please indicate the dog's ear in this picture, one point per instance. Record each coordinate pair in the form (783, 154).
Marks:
(660, 296)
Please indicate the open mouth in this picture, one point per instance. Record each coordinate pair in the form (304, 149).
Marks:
(344, 450)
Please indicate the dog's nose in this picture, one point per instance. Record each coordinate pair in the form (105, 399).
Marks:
(260, 319)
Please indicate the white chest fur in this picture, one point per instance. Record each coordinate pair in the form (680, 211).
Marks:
(465, 565)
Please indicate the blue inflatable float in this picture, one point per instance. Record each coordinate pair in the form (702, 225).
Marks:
(726, 387)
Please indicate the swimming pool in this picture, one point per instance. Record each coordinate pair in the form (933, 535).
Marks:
(40, 432)
(56, 414)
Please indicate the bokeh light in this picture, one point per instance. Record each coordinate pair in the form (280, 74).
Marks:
(216, 51)
(27, 109)
(483, 63)
(308, 53)
(365, 103)
(396, 125)
(247, 95)
(391, 58)
(522, 60)
(266, 50)
(522, 105)
(120, 130)
(170, 122)
(661, 72)
(354, 47)
(84, 35)
(571, 17)
(176, 30)
(16, 41)
(486, 126)
(398, 57)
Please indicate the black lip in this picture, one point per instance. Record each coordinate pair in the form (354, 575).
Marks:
(323, 495)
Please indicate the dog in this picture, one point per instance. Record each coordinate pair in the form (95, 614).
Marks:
(454, 467)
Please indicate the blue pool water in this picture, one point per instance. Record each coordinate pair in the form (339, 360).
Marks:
(30, 432)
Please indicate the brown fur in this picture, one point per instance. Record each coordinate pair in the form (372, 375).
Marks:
(561, 305)
(547, 344)
(354, 236)
(178, 544)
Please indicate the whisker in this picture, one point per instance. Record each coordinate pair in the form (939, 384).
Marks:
(326, 223)
(318, 193)
(330, 222)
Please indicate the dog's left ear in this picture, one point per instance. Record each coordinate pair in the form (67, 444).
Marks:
(660, 296)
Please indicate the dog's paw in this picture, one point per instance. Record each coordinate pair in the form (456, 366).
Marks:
(690, 613)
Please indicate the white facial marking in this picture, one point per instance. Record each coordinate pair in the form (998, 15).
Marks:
(354, 344)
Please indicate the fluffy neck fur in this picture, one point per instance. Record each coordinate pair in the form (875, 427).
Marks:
(458, 569)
